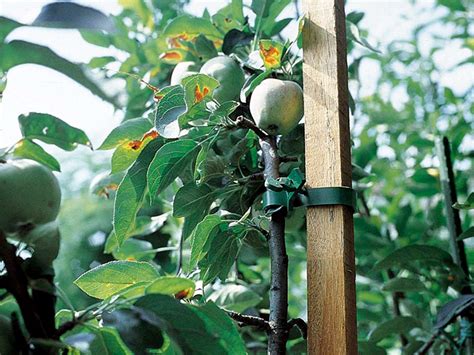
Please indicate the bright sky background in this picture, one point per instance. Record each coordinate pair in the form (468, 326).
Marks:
(33, 88)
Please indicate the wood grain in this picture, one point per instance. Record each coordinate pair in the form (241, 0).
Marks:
(331, 267)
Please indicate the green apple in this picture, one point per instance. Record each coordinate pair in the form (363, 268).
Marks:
(7, 338)
(229, 74)
(277, 106)
(29, 194)
(183, 70)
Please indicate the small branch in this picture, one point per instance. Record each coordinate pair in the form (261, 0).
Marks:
(287, 159)
(253, 321)
(18, 286)
(426, 347)
(243, 122)
(300, 324)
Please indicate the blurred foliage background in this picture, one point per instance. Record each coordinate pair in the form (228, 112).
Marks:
(394, 128)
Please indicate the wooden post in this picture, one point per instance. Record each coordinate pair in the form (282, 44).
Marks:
(331, 267)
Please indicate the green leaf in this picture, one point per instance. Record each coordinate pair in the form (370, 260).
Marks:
(452, 309)
(191, 198)
(108, 341)
(72, 15)
(261, 7)
(235, 298)
(134, 250)
(411, 253)
(235, 39)
(7, 25)
(404, 284)
(131, 192)
(169, 109)
(354, 34)
(456, 5)
(219, 323)
(397, 325)
(128, 131)
(115, 276)
(196, 330)
(19, 52)
(367, 347)
(52, 130)
(30, 150)
(222, 250)
(469, 233)
(169, 162)
(205, 48)
(100, 62)
(251, 83)
(229, 17)
(141, 9)
(172, 285)
(200, 236)
(468, 205)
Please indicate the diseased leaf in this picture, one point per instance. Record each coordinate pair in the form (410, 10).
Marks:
(131, 192)
(115, 276)
(271, 53)
(169, 162)
(187, 28)
(30, 150)
(172, 286)
(130, 130)
(198, 88)
(52, 130)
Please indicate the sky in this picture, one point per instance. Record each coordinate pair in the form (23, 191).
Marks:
(33, 88)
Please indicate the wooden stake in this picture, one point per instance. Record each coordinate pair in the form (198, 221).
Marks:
(331, 268)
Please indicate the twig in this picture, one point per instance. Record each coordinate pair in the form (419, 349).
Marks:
(18, 286)
(244, 319)
(300, 324)
(244, 122)
(424, 349)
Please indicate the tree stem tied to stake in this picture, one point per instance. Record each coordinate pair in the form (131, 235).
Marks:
(278, 333)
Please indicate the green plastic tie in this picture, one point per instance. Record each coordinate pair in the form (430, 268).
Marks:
(326, 196)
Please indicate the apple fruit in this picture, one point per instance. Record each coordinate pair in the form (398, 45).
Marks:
(29, 194)
(183, 70)
(229, 74)
(277, 105)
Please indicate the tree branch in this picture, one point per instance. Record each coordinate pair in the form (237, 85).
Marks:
(300, 324)
(244, 122)
(18, 286)
(278, 334)
(244, 319)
